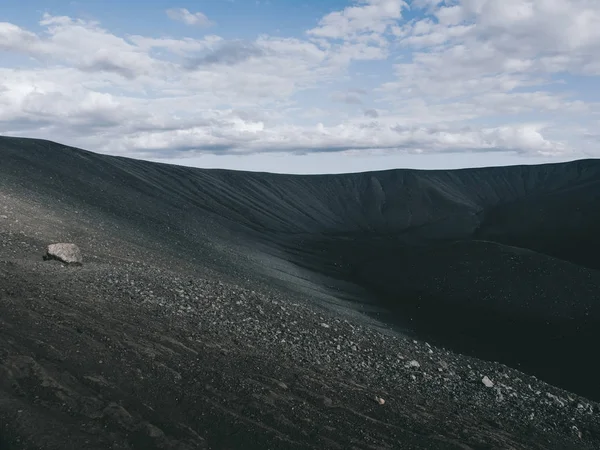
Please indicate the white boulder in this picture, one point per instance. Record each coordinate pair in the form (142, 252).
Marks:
(66, 253)
(487, 382)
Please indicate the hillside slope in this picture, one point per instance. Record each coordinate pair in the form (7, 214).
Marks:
(220, 309)
(372, 242)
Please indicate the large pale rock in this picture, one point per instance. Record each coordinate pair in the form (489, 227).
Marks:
(67, 253)
(487, 382)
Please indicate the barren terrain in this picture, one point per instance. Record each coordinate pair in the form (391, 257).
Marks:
(220, 309)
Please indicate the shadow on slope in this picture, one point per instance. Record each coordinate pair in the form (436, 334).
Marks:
(562, 223)
(526, 309)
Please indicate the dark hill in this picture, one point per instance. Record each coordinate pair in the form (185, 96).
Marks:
(499, 263)
(369, 237)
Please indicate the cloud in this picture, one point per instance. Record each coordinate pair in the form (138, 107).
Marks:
(241, 137)
(180, 47)
(14, 38)
(489, 45)
(188, 18)
(462, 76)
(349, 97)
(81, 44)
(228, 53)
(369, 16)
(493, 60)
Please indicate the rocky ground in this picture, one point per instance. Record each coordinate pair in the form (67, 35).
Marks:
(126, 353)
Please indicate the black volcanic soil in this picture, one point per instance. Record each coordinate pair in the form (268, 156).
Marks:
(219, 309)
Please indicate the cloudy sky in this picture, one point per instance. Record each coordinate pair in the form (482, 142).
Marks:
(306, 86)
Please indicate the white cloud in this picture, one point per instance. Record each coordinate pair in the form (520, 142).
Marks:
(369, 16)
(467, 76)
(497, 58)
(14, 38)
(515, 39)
(183, 15)
(81, 44)
(237, 136)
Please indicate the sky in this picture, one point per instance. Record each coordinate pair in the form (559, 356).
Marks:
(306, 86)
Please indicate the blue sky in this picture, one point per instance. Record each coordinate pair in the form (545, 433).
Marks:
(306, 86)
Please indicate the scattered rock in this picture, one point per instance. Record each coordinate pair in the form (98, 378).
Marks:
(119, 416)
(66, 253)
(557, 400)
(585, 407)
(154, 432)
(487, 382)
(499, 395)
(413, 364)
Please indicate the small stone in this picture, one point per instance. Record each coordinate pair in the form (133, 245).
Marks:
(556, 399)
(499, 395)
(413, 364)
(587, 408)
(379, 400)
(324, 325)
(487, 382)
(154, 432)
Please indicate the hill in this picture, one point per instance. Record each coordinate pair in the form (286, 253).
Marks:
(323, 281)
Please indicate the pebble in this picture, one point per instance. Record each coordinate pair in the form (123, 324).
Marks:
(487, 382)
